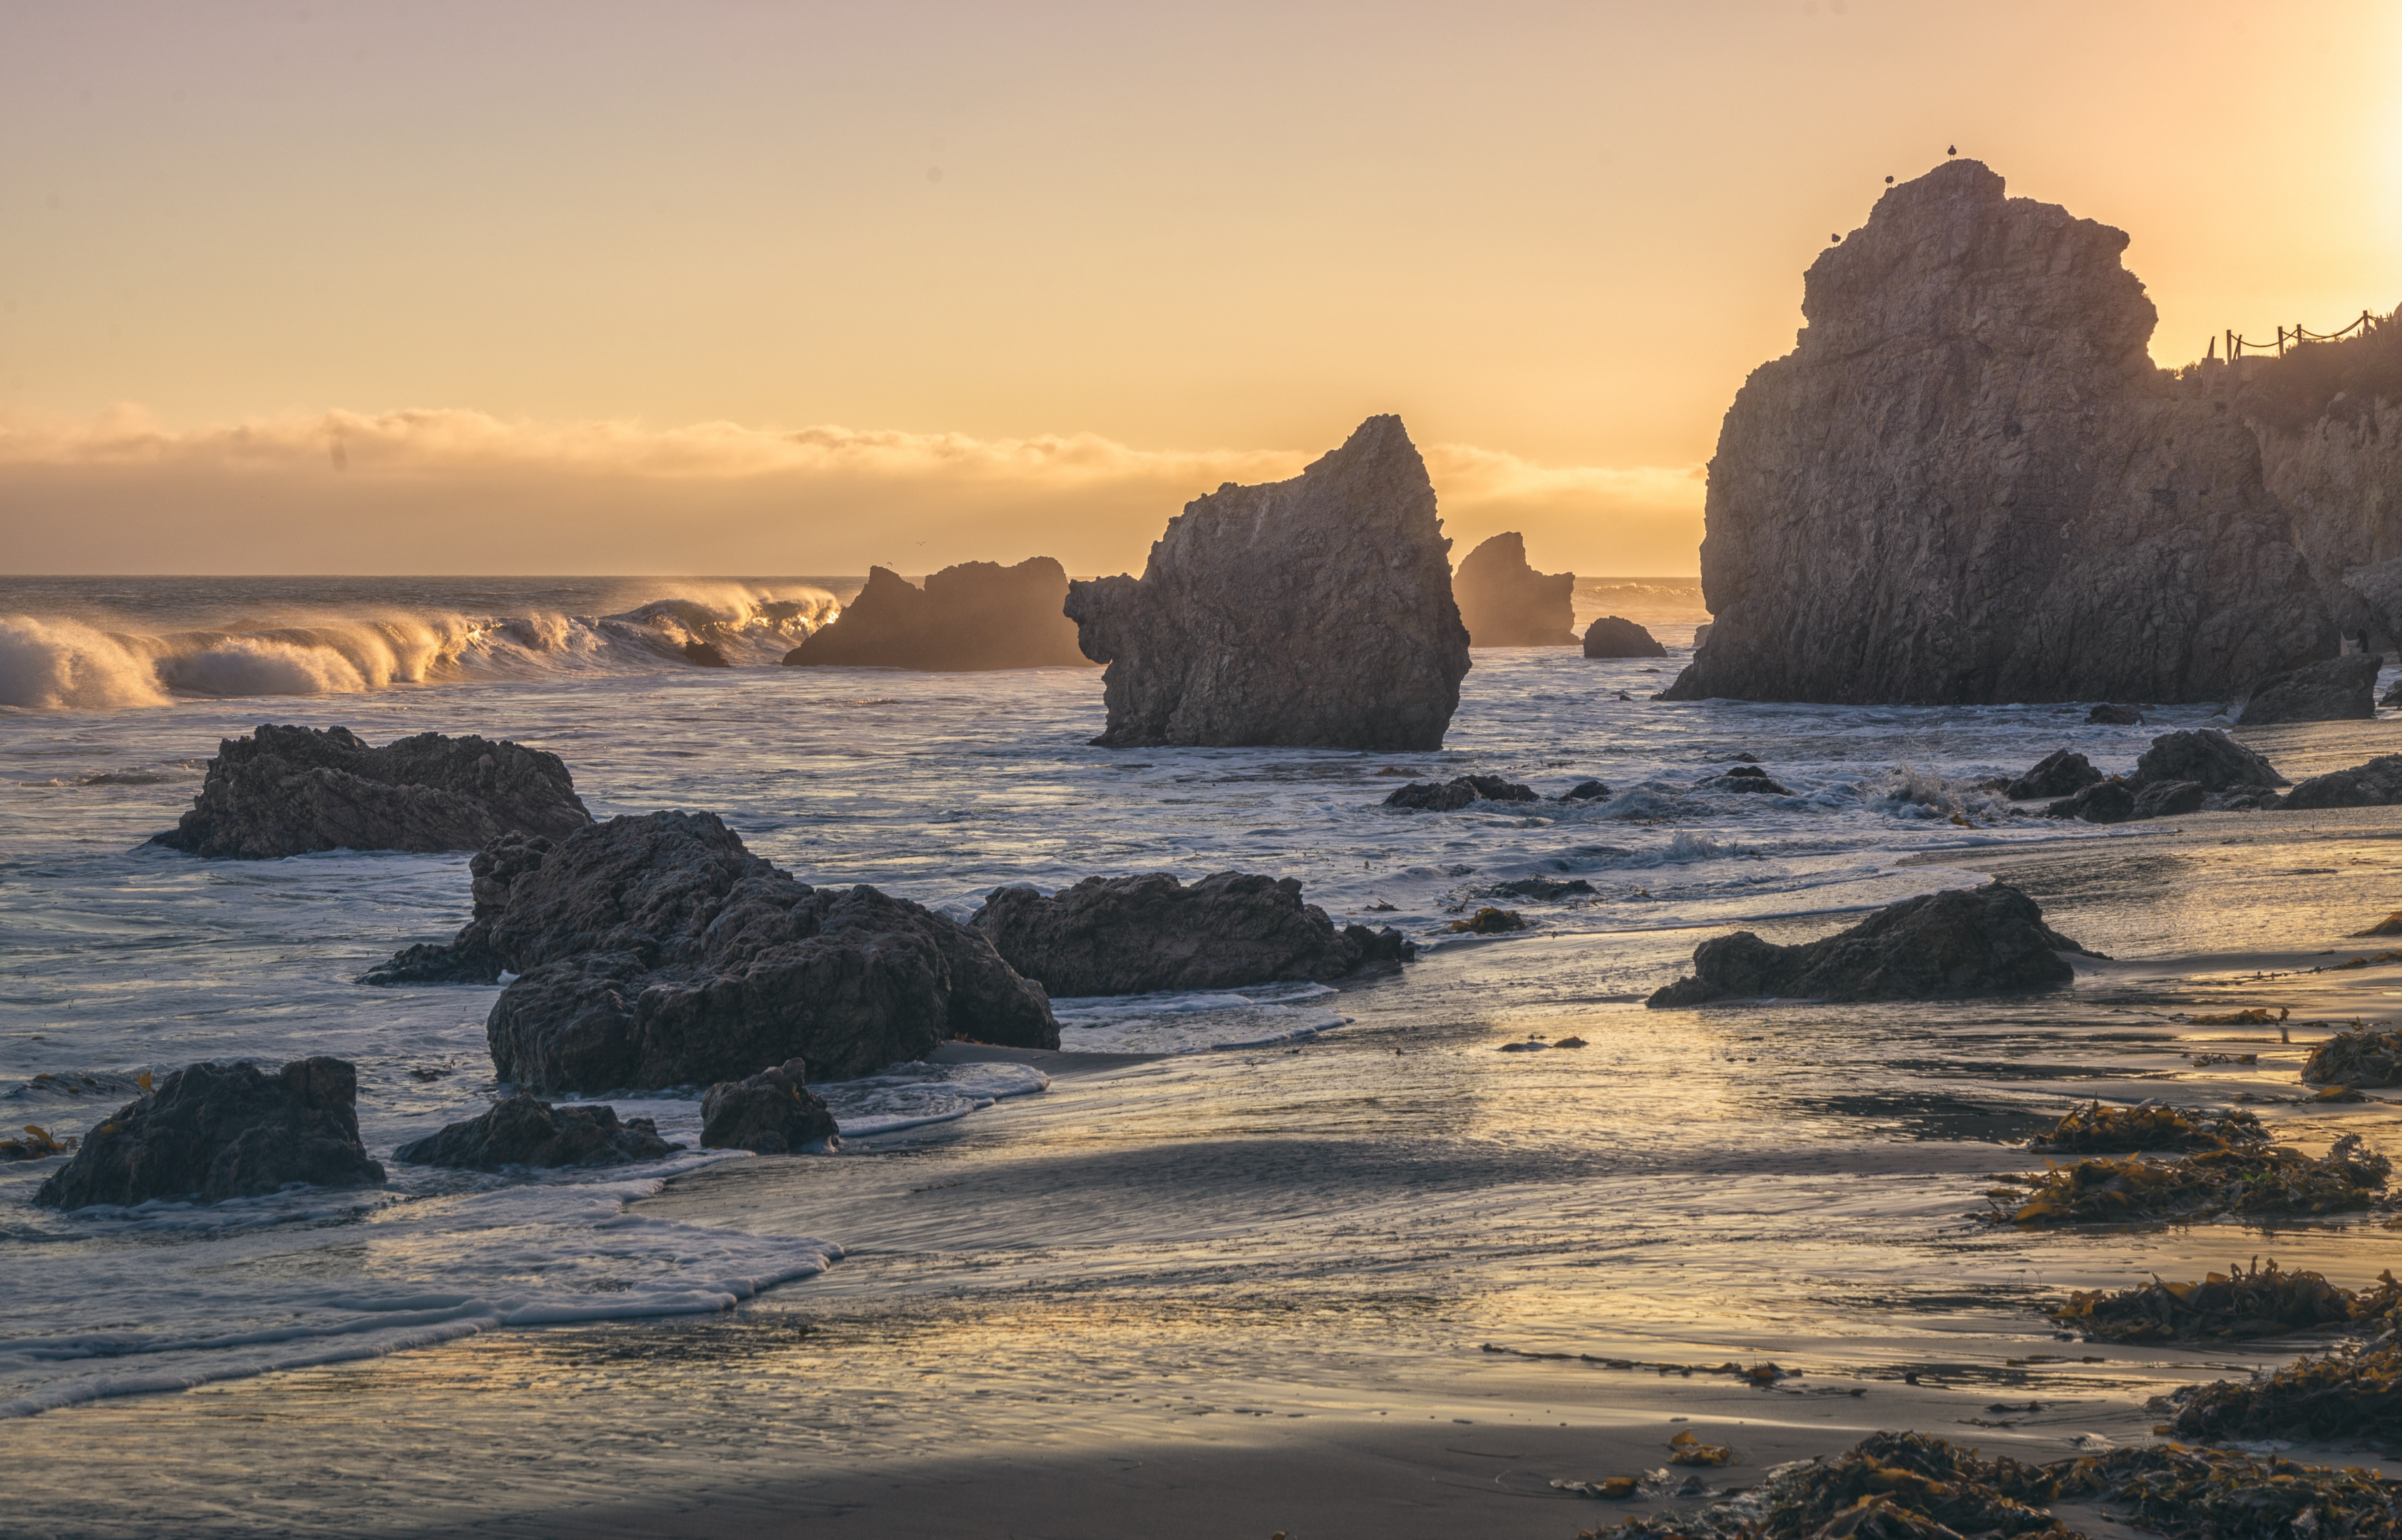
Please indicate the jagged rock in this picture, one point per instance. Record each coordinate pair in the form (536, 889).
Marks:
(1135, 935)
(222, 1131)
(2062, 773)
(1312, 613)
(287, 790)
(1544, 888)
(705, 654)
(978, 614)
(1585, 791)
(657, 951)
(2165, 799)
(522, 1131)
(1504, 602)
(2376, 784)
(2337, 689)
(2206, 755)
(1976, 941)
(2111, 801)
(773, 1112)
(469, 957)
(1613, 638)
(2113, 716)
(1968, 483)
(1447, 796)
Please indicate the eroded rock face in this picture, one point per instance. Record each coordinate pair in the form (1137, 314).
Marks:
(1134, 935)
(1611, 637)
(2337, 689)
(288, 790)
(658, 951)
(1311, 612)
(1504, 602)
(1968, 483)
(223, 1131)
(773, 1112)
(978, 614)
(1978, 941)
(523, 1130)
(2376, 784)
(2062, 773)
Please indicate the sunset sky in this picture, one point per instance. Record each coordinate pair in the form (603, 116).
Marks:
(542, 287)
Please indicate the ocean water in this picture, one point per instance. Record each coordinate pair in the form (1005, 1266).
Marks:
(118, 959)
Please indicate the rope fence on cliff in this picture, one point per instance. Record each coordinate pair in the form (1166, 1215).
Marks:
(2237, 345)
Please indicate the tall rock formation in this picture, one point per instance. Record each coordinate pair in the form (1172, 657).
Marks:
(978, 614)
(1312, 613)
(1504, 602)
(1968, 483)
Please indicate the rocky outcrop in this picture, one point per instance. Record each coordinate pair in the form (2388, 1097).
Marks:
(288, 790)
(2376, 784)
(773, 1112)
(522, 1131)
(2113, 716)
(658, 951)
(219, 1131)
(1427, 796)
(2206, 755)
(1135, 935)
(2201, 771)
(1745, 777)
(1311, 612)
(2062, 773)
(2328, 418)
(1968, 483)
(1613, 638)
(1976, 941)
(978, 614)
(2339, 689)
(1504, 602)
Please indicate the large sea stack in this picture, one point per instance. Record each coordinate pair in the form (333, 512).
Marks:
(1314, 612)
(1504, 602)
(1968, 484)
(978, 614)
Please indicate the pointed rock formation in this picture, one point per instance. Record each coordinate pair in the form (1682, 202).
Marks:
(978, 614)
(1314, 612)
(1968, 483)
(1504, 602)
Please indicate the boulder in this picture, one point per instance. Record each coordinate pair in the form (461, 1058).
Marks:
(522, 1131)
(657, 951)
(2337, 689)
(1311, 612)
(287, 790)
(1446, 796)
(2206, 755)
(1969, 484)
(705, 654)
(2165, 799)
(219, 1131)
(1611, 637)
(1135, 935)
(1747, 777)
(1504, 602)
(1974, 941)
(2376, 784)
(2062, 773)
(2113, 716)
(2111, 801)
(1585, 791)
(773, 1112)
(976, 615)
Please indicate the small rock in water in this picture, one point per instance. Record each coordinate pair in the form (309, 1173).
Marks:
(704, 654)
(1611, 637)
(771, 1113)
(1429, 796)
(523, 1130)
(1585, 791)
(2113, 716)
(1543, 887)
(1490, 922)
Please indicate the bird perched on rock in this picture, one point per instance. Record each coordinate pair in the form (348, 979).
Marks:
(1950, 149)
(1888, 181)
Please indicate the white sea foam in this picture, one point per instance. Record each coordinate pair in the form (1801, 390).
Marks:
(66, 666)
(1195, 1021)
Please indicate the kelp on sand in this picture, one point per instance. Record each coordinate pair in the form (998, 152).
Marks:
(2355, 1392)
(2261, 1301)
(2251, 1182)
(2095, 1129)
(2361, 1056)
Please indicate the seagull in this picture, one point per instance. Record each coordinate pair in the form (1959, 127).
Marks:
(1833, 240)
(1888, 181)
(1950, 149)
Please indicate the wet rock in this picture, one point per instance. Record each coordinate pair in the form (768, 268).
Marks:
(1433, 797)
(1585, 791)
(288, 790)
(976, 615)
(1135, 935)
(773, 1112)
(2062, 773)
(1611, 637)
(1489, 921)
(2241, 799)
(1968, 483)
(657, 951)
(2111, 801)
(2206, 755)
(2113, 716)
(2393, 697)
(219, 1131)
(469, 956)
(1969, 941)
(1504, 602)
(1544, 888)
(522, 1131)
(705, 654)
(2340, 689)
(2166, 799)
(1747, 777)
(1315, 612)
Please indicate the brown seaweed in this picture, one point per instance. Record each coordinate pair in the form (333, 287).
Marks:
(2362, 1056)
(2251, 1183)
(2095, 1129)
(2263, 1302)
(2355, 1392)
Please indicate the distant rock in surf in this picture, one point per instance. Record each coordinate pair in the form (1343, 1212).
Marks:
(773, 1112)
(219, 1131)
(2113, 716)
(705, 654)
(657, 951)
(2062, 773)
(1968, 483)
(1611, 637)
(1135, 935)
(524, 1131)
(2338, 689)
(288, 790)
(1314, 612)
(2375, 784)
(1976, 941)
(1450, 796)
(978, 614)
(1504, 602)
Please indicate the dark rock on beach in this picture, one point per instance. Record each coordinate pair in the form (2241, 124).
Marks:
(523, 1130)
(2164, 799)
(976, 615)
(2339, 689)
(1611, 637)
(1978, 941)
(1504, 602)
(1311, 612)
(773, 1112)
(2113, 716)
(1135, 935)
(288, 790)
(2111, 801)
(219, 1131)
(2206, 755)
(1448, 796)
(2062, 773)
(2376, 784)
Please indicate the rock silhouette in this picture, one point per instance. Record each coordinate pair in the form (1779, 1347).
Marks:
(1611, 637)
(1504, 602)
(2338, 689)
(1310, 612)
(978, 614)
(524, 1131)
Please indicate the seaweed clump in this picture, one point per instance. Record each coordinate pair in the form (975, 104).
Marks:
(2251, 1182)
(2354, 1393)
(34, 1144)
(1490, 921)
(2362, 1056)
(2095, 1129)
(2263, 1302)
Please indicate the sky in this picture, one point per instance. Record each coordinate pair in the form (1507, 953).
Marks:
(781, 288)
